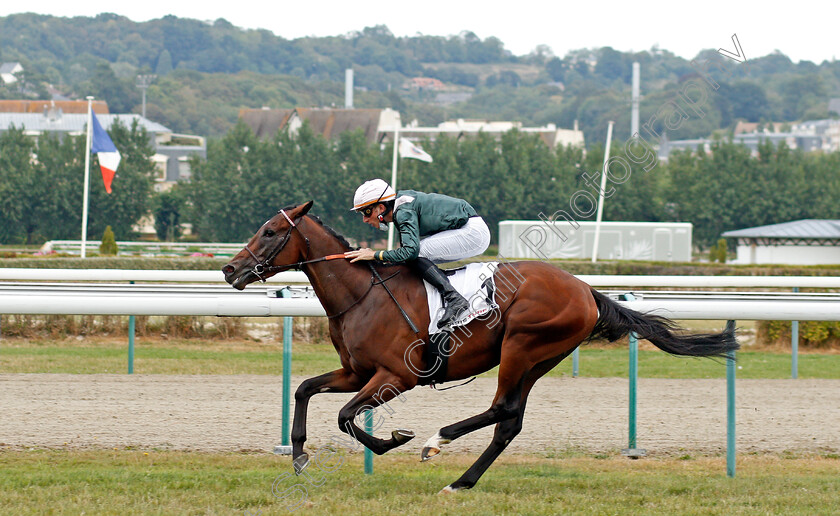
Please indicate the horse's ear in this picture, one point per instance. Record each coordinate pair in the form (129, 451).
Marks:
(305, 208)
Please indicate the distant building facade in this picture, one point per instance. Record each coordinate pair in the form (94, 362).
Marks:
(9, 71)
(172, 151)
(800, 242)
(378, 125)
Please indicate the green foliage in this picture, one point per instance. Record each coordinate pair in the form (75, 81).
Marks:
(717, 253)
(42, 199)
(812, 334)
(108, 247)
(167, 213)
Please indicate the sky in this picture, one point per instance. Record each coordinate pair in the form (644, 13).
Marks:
(684, 28)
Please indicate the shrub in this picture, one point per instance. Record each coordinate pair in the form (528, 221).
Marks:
(108, 247)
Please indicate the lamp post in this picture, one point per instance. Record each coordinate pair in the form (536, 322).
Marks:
(143, 82)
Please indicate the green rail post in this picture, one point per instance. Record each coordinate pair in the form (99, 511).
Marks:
(730, 409)
(794, 346)
(575, 361)
(634, 373)
(285, 439)
(131, 341)
(368, 453)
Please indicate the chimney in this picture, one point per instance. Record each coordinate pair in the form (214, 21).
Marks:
(634, 112)
(348, 88)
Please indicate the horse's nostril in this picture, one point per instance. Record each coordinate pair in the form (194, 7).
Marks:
(228, 269)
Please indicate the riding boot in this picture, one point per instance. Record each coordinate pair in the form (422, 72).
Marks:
(454, 302)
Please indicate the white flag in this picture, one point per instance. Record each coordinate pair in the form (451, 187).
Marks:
(410, 150)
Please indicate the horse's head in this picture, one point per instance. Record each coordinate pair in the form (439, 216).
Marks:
(276, 244)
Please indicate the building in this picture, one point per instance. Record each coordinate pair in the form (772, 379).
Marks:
(801, 242)
(8, 72)
(809, 136)
(466, 128)
(329, 123)
(378, 125)
(424, 83)
(172, 151)
(538, 239)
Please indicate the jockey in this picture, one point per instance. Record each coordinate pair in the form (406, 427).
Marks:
(433, 229)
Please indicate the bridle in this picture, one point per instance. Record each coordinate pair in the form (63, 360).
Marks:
(264, 267)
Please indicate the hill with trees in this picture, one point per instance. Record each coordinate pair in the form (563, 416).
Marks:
(208, 71)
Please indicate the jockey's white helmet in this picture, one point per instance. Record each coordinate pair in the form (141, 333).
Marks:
(372, 192)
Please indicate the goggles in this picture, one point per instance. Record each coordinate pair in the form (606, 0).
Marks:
(368, 211)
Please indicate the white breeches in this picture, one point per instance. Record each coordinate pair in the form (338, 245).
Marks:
(451, 245)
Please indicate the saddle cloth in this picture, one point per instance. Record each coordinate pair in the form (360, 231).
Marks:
(476, 283)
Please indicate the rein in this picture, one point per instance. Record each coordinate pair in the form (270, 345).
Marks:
(264, 267)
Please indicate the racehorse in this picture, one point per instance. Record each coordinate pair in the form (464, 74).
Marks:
(542, 317)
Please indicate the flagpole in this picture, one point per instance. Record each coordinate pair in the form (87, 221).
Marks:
(87, 175)
(601, 193)
(394, 176)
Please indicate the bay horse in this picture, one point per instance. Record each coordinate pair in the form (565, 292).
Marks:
(541, 319)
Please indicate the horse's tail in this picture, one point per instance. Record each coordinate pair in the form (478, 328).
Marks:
(616, 321)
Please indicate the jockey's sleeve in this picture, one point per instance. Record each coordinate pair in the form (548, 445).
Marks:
(409, 229)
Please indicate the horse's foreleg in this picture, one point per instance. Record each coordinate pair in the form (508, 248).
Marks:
(382, 388)
(340, 380)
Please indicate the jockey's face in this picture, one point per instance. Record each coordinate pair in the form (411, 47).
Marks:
(373, 219)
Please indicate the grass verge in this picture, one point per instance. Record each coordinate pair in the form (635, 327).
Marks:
(165, 482)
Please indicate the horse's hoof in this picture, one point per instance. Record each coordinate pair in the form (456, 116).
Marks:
(448, 490)
(432, 447)
(300, 463)
(402, 436)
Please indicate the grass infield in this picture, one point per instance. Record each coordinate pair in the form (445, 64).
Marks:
(121, 482)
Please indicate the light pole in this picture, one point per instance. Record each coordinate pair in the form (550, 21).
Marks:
(143, 82)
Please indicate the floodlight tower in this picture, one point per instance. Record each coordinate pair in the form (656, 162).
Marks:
(143, 82)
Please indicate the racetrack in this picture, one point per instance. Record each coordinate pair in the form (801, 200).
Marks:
(243, 413)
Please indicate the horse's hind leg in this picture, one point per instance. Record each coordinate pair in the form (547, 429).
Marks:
(506, 405)
(506, 429)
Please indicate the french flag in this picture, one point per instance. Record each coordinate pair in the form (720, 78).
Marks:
(109, 156)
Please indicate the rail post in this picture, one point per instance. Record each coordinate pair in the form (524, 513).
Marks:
(794, 346)
(730, 409)
(288, 323)
(368, 453)
(575, 361)
(633, 374)
(131, 324)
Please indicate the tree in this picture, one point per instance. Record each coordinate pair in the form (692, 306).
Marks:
(108, 247)
(167, 213)
(164, 63)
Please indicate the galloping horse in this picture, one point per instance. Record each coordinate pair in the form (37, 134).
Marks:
(541, 319)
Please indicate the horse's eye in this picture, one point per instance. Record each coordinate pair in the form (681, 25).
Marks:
(268, 233)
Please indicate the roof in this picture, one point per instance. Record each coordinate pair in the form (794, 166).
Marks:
(834, 105)
(68, 123)
(265, 122)
(808, 228)
(8, 67)
(330, 123)
(100, 107)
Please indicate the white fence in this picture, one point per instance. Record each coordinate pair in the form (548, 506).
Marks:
(145, 248)
(261, 300)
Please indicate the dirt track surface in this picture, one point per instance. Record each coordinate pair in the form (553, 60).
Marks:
(233, 413)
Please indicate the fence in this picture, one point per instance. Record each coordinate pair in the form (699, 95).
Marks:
(269, 300)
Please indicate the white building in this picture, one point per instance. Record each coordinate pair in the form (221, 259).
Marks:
(545, 239)
(8, 71)
(801, 242)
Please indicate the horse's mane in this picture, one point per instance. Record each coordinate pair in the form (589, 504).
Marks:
(343, 241)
